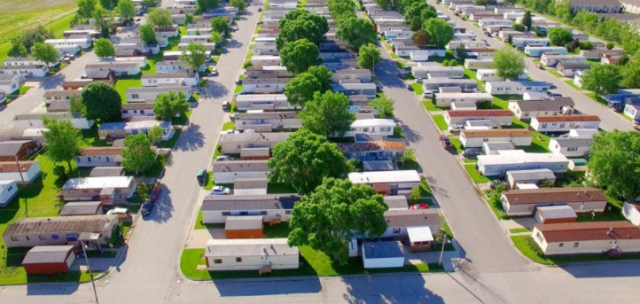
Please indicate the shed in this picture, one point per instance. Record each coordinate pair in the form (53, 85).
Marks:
(254, 153)
(382, 255)
(578, 164)
(49, 259)
(250, 186)
(243, 227)
(555, 214)
(534, 176)
(420, 238)
(492, 148)
(81, 208)
(631, 212)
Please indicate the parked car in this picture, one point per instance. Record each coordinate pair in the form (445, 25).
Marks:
(201, 177)
(226, 105)
(220, 190)
(539, 66)
(419, 80)
(155, 194)
(409, 87)
(553, 87)
(419, 206)
(214, 71)
(454, 129)
(146, 209)
(121, 213)
(446, 143)
(471, 152)
(259, 9)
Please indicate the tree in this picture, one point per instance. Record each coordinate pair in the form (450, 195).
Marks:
(602, 79)
(527, 20)
(301, 161)
(189, 19)
(323, 76)
(563, 10)
(614, 163)
(368, 56)
(415, 24)
(155, 134)
(195, 55)
(461, 53)
(137, 156)
(220, 25)
(149, 3)
(385, 4)
(205, 5)
(170, 104)
(416, 193)
(17, 47)
(356, 32)
(484, 2)
(610, 45)
(45, 52)
(300, 89)
(328, 219)
(508, 63)
(239, 4)
(266, 5)
(77, 107)
(519, 27)
(560, 36)
(301, 24)
(299, 56)
(160, 17)
(86, 7)
(510, 39)
(439, 31)
(383, 106)
(103, 102)
(104, 48)
(126, 9)
(631, 74)
(420, 38)
(216, 37)
(585, 45)
(409, 155)
(101, 20)
(63, 140)
(328, 114)
(148, 34)
(109, 4)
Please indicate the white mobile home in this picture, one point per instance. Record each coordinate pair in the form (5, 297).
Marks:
(515, 87)
(260, 61)
(631, 212)
(476, 138)
(268, 102)
(119, 68)
(81, 42)
(374, 126)
(8, 191)
(170, 79)
(524, 202)
(34, 120)
(492, 75)
(28, 71)
(534, 176)
(28, 171)
(216, 208)
(460, 117)
(437, 71)
(446, 99)
(537, 51)
(267, 121)
(551, 60)
(382, 255)
(525, 109)
(434, 84)
(388, 182)
(564, 123)
(498, 165)
(264, 85)
(522, 42)
(227, 171)
(250, 254)
(150, 94)
(570, 147)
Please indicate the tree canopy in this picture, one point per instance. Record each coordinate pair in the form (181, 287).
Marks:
(170, 104)
(77, 107)
(560, 36)
(126, 10)
(45, 52)
(631, 74)
(85, 8)
(327, 114)
(137, 156)
(104, 48)
(301, 24)
(63, 140)
(103, 102)
(368, 56)
(298, 56)
(383, 106)
(148, 34)
(205, 5)
(508, 63)
(328, 218)
(356, 32)
(602, 79)
(614, 163)
(220, 25)
(302, 161)
(300, 89)
(239, 4)
(160, 17)
(420, 38)
(323, 76)
(102, 20)
(439, 31)
(195, 55)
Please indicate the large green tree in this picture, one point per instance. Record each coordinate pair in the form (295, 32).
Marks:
(239, 4)
(356, 32)
(169, 105)
(383, 106)
(300, 89)
(104, 48)
(527, 20)
(560, 36)
(508, 63)
(304, 160)
(301, 24)
(420, 38)
(220, 25)
(148, 34)
(602, 79)
(323, 76)
(328, 114)
(160, 17)
(195, 55)
(45, 52)
(298, 56)
(63, 140)
(328, 219)
(137, 156)
(368, 56)
(126, 10)
(77, 107)
(17, 48)
(85, 8)
(109, 4)
(102, 20)
(631, 74)
(440, 32)
(614, 163)
(103, 102)
(205, 5)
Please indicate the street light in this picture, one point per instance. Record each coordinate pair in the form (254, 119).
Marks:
(86, 259)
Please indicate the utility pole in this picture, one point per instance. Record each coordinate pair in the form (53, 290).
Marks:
(444, 242)
(93, 283)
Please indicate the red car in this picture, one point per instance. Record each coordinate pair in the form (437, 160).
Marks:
(419, 206)
(155, 194)
(445, 142)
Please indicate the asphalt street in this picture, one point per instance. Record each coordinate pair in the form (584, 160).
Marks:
(610, 120)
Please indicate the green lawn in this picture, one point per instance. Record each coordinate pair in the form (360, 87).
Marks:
(476, 176)
(519, 230)
(456, 143)
(596, 98)
(182, 119)
(530, 249)
(229, 125)
(238, 89)
(210, 182)
(417, 88)
(555, 73)
(430, 106)
(440, 122)
(125, 82)
(171, 142)
(540, 143)
(200, 225)
(570, 83)
(21, 91)
(502, 101)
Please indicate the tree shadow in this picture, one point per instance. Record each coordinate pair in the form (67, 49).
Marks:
(191, 139)
(404, 288)
(234, 44)
(164, 206)
(215, 90)
(53, 82)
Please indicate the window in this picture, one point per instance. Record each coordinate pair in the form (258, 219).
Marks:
(572, 149)
(287, 212)
(576, 244)
(14, 238)
(263, 212)
(43, 238)
(397, 230)
(55, 237)
(561, 245)
(217, 261)
(238, 260)
(28, 238)
(244, 212)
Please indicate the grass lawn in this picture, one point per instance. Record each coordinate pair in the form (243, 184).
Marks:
(171, 142)
(430, 106)
(440, 122)
(393, 55)
(238, 89)
(530, 249)
(519, 230)
(475, 175)
(540, 143)
(125, 82)
(21, 91)
(229, 125)
(555, 73)
(182, 119)
(210, 182)
(502, 101)
(200, 225)
(456, 143)
(573, 85)
(417, 88)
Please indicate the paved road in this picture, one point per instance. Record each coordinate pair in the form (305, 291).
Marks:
(610, 119)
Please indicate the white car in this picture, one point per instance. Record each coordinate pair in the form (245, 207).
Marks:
(219, 190)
